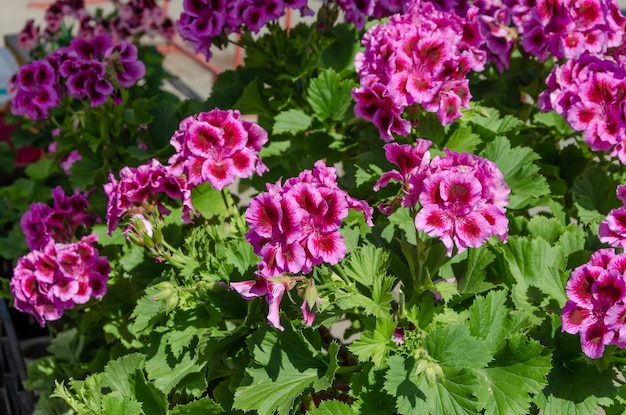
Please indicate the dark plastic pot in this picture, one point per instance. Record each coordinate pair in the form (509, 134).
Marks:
(14, 399)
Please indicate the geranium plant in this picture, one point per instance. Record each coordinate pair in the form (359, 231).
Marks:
(401, 207)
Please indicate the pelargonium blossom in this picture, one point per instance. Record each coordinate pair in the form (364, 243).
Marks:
(138, 191)
(272, 288)
(612, 229)
(589, 93)
(419, 58)
(202, 21)
(48, 281)
(596, 308)
(217, 147)
(462, 197)
(59, 222)
(295, 226)
(570, 28)
(95, 69)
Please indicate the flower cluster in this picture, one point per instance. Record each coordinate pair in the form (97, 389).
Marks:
(295, 226)
(496, 22)
(421, 58)
(132, 19)
(357, 12)
(217, 147)
(569, 28)
(612, 230)
(596, 308)
(590, 94)
(201, 21)
(48, 281)
(94, 69)
(136, 193)
(59, 223)
(138, 17)
(463, 197)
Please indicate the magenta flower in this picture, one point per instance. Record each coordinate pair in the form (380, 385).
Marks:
(612, 229)
(48, 281)
(217, 147)
(272, 288)
(596, 309)
(59, 223)
(295, 226)
(462, 197)
(420, 57)
(139, 190)
(566, 29)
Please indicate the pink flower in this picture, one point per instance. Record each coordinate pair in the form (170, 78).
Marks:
(596, 309)
(462, 197)
(294, 226)
(140, 188)
(48, 281)
(272, 288)
(217, 147)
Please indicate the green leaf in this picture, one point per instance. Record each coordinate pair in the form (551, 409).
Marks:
(332, 407)
(242, 256)
(329, 96)
(489, 119)
(204, 406)
(364, 264)
(533, 262)
(552, 119)
(493, 322)
(166, 370)
(7, 158)
(252, 101)
(471, 270)
(287, 367)
(452, 346)
(84, 171)
(454, 394)
(291, 121)
(574, 385)
(153, 401)
(548, 228)
(118, 373)
(41, 169)
(375, 345)
(517, 374)
(147, 311)
(115, 404)
(207, 201)
(594, 191)
(463, 140)
(572, 240)
(519, 171)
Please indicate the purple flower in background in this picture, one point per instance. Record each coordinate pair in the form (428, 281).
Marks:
(35, 90)
(59, 222)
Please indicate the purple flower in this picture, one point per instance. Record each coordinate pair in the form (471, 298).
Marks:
(58, 223)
